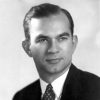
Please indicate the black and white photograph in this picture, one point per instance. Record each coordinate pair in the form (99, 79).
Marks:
(50, 50)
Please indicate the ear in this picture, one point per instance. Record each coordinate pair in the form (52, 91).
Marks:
(75, 41)
(26, 47)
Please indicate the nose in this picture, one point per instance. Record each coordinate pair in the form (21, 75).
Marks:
(53, 47)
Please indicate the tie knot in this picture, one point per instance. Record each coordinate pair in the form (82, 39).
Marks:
(49, 93)
(49, 87)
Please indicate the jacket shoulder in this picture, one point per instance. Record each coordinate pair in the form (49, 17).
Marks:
(90, 85)
(28, 92)
(89, 77)
(83, 76)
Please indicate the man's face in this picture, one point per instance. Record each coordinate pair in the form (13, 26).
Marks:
(51, 43)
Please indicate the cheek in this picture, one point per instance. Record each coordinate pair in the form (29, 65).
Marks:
(36, 55)
(67, 49)
(38, 51)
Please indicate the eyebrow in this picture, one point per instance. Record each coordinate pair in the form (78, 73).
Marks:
(63, 34)
(41, 36)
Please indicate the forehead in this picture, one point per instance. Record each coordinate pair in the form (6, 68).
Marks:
(50, 26)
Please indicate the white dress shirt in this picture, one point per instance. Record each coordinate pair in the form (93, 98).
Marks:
(56, 84)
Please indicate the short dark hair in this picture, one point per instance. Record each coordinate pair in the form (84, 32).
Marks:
(45, 10)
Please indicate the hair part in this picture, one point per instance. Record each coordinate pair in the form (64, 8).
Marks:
(44, 10)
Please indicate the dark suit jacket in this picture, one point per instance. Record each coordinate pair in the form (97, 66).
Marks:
(79, 85)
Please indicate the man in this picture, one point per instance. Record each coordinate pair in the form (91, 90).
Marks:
(50, 41)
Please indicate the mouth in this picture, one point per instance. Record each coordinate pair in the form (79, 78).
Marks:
(53, 61)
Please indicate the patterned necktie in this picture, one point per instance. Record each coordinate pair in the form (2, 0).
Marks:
(49, 93)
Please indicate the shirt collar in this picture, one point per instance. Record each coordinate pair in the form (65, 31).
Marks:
(59, 82)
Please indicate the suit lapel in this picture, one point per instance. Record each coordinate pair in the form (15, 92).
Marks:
(71, 86)
(36, 92)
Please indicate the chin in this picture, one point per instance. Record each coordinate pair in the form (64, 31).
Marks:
(54, 70)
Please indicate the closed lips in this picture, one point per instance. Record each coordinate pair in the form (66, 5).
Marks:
(56, 60)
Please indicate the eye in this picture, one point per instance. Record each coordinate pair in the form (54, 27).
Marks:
(63, 38)
(41, 40)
